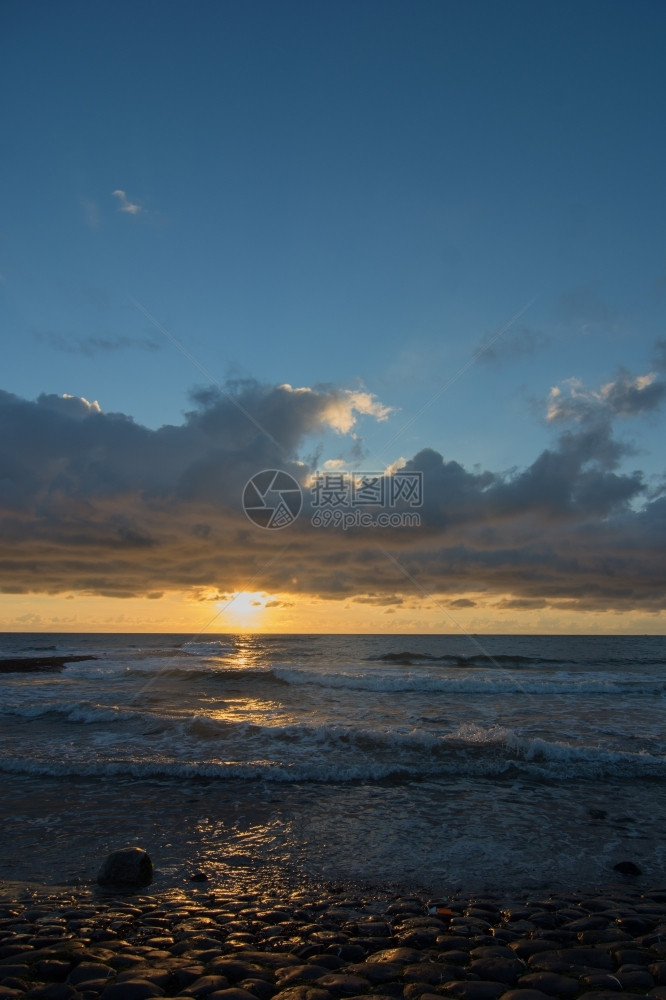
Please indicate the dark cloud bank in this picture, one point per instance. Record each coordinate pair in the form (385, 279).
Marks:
(95, 503)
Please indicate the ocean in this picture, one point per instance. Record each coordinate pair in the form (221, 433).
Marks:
(433, 763)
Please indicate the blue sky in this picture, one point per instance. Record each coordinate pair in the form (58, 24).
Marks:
(350, 194)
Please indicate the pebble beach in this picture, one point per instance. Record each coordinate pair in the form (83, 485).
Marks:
(329, 941)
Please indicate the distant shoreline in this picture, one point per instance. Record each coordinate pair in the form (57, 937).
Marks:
(34, 664)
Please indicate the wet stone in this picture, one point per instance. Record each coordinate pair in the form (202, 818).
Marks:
(135, 989)
(350, 952)
(89, 972)
(56, 991)
(502, 970)
(328, 961)
(235, 969)
(338, 983)
(550, 983)
(607, 995)
(55, 970)
(475, 990)
(414, 991)
(204, 985)
(303, 993)
(300, 973)
(377, 972)
(258, 988)
(524, 994)
(401, 955)
(658, 970)
(635, 979)
(17, 970)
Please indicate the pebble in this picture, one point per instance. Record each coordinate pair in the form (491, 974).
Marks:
(600, 945)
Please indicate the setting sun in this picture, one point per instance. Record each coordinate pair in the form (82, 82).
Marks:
(243, 610)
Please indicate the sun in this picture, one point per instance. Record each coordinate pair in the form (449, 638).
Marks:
(244, 610)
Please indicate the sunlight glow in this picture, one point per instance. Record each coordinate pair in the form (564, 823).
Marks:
(245, 610)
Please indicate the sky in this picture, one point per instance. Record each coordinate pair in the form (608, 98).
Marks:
(411, 245)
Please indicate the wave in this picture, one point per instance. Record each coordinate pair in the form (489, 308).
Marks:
(83, 712)
(480, 682)
(409, 658)
(516, 660)
(210, 648)
(493, 682)
(205, 747)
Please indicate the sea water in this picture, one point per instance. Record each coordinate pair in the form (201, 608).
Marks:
(425, 762)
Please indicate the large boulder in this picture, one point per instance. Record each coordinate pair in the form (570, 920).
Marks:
(129, 867)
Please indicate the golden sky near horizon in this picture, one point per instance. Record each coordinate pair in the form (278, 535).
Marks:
(267, 613)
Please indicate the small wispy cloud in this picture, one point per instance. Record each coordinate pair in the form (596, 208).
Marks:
(521, 342)
(92, 346)
(91, 212)
(125, 205)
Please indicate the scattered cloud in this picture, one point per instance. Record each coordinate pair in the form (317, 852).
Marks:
(91, 211)
(520, 341)
(585, 308)
(94, 345)
(93, 502)
(626, 396)
(659, 361)
(379, 599)
(125, 205)
(343, 405)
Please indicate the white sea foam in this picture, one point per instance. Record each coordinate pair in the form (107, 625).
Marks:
(477, 681)
(211, 648)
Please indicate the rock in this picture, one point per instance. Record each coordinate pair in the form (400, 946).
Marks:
(658, 970)
(526, 994)
(89, 972)
(550, 983)
(300, 974)
(350, 952)
(478, 989)
(500, 970)
(53, 970)
(258, 988)
(607, 995)
(204, 985)
(339, 983)
(627, 868)
(56, 991)
(134, 989)
(129, 867)
(402, 955)
(232, 993)
(234, 969)
(303, 993)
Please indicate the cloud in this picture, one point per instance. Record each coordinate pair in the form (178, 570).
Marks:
(74, 407)
(660, 355)
(518, 342)
(94, 345)
(583, 307)
(379, 599)
(125, 205)
(343, 405)
(91, 211)
(93, 502)
(626, 396)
